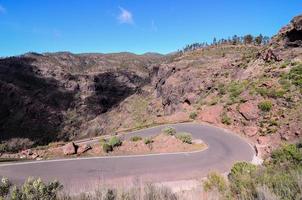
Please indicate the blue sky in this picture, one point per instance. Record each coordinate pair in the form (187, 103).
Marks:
(133, 25)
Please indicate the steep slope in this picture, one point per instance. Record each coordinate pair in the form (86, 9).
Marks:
(253, 90)
(46, 97)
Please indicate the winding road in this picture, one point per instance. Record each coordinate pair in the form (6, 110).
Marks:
(224, 148)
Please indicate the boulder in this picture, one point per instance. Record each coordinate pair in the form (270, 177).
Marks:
(250, 131)
(27, 152)
(83, 148)
(211, 114)
(34, 156)
(70, 149)
(290, 35)
(191, 98)
(269, 56)
(249, 111)
(263, 140)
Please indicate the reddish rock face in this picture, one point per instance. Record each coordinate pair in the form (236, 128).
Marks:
(211, 114)
(70, 149)
(263, 140)
(27, 152)
(83, 148)
(291, 34)
(249, 111)
(250, 131)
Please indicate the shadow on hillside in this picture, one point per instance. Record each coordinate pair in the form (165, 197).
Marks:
(110, 89)
(30, 105)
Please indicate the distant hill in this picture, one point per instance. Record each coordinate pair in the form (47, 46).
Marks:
(253, 90)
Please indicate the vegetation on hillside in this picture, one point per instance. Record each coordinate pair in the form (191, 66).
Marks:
(234, 40)
(36, 189)
(280, 177)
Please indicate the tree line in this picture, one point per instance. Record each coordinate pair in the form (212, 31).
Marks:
(235, 40)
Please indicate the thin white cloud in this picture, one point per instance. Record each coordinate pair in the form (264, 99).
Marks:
(125, 16)
(2, 9)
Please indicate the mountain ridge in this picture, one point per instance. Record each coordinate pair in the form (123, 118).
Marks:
(63, 96)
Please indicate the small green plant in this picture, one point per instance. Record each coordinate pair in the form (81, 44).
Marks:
(102, 141)
(235, 89)
(215, 182)
(148, 141)
(295, 75)
(288, 153)
(136, 138)
(272, 92)
(3, 148)
(265, 106)
(107, 147)
(184, 137)
(4, 187)
(193, 115)
(221, 89)
(115, 141)
(36, 189)
(225, 119)
(169, 130)
(240, 177)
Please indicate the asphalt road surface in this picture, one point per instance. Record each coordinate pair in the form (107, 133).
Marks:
(81, 174)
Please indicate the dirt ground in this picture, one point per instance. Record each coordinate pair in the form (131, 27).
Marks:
(162, 143)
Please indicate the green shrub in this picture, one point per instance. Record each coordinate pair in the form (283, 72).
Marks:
(289, 153)
(193, 115)
(102, 141)
(241, 179)
(221, 89)
(115, 142)
(215, 182)
(5, 186)
(148, 140)
(34, 189)
(14, 145)
(265, 106)
(295, 75)
(235, 89)
(107, 147)
(285, 83)
(225, 119)
(284, 65)
(278, 178)
(272, 92)
(184, 137)
(136, 138)
(3, 148)
(169, 130)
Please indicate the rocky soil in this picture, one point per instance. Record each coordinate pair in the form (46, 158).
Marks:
(160, 143)
(252, 90)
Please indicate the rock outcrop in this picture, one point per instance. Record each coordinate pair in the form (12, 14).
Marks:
(290, 35)
(49, 97)
(70, 149)
(249, 111)
(211, 114)
(64, 96)
(83, 148)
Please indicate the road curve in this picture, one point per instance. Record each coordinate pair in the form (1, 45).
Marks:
(223, 150)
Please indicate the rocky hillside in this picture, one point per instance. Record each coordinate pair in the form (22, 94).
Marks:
(253, 90)
(45, 97)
